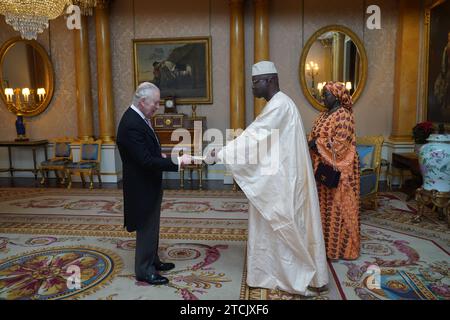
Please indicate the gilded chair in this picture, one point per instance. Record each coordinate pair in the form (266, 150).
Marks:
(197, 167)
(192, 167)
(369, 152)
(90, 156)
(62, 156)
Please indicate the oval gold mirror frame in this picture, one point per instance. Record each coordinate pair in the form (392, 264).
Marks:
(363, 63)
(39, 107)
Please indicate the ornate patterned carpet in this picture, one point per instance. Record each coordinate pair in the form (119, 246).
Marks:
(47, 235)
(45, 231)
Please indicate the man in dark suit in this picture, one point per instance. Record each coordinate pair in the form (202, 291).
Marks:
(143, 165)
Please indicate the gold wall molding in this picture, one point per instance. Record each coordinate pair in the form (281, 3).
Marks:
(237, 65)
(406, 77)
(261, 39)
(104, 74)
(85, 122)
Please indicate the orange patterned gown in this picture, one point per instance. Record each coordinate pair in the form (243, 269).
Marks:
(339, 207)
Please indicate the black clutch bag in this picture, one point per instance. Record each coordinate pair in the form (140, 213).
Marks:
(327, 175)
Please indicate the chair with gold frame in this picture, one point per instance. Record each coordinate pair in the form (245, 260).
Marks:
(90, 157)
(62, 156)
(369, 151)
(192, 167)
(198, 167)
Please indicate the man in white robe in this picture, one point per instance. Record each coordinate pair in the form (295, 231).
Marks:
(285, 247)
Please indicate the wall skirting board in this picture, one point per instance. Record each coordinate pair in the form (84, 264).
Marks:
(111, 165)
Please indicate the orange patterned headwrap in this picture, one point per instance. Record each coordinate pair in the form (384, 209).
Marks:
(340, 92)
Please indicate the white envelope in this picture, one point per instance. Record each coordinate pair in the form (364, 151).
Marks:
(198, 158)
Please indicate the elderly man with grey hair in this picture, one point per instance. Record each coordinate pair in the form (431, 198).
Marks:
(143, 164)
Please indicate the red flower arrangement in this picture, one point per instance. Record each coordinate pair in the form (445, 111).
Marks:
(422, 131)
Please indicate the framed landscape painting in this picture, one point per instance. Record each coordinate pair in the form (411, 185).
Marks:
(180, 67)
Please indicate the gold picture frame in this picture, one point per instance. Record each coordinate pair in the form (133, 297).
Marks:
(436, 81)
(180, 67)
(39, 73)
(359, 63)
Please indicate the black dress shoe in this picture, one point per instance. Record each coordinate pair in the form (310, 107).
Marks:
(162, 266)
(154, 279)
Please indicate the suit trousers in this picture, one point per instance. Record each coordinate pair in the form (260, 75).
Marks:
(147, 242)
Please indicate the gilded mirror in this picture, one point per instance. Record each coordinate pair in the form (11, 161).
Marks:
(333, 53)
(26, 77)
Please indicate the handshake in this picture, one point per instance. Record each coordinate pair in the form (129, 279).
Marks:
(187, 159)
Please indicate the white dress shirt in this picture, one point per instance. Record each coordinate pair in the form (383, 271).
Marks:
(139, 112)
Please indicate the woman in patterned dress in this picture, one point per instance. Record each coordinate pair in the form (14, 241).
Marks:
(334, 130)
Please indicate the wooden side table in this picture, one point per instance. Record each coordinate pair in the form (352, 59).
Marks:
(165, 126)
(33, 145)
(439, 199)
(408, 161)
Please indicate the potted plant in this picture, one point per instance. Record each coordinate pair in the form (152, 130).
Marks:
(421, 132)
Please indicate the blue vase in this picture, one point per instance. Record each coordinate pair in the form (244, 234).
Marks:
(434, 159)
(20, 128)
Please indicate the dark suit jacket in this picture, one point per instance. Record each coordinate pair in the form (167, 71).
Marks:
(142, 167)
